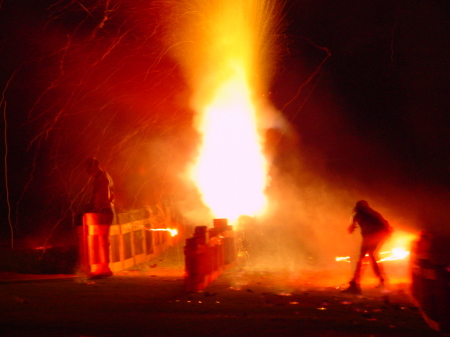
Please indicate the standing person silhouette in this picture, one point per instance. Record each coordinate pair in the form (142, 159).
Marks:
(374, 230)
(102, 202)
(102, 194)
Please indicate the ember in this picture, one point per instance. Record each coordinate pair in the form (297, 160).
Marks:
(173, 232)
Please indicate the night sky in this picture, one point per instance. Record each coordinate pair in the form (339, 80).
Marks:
(385, 83)
(363, 84)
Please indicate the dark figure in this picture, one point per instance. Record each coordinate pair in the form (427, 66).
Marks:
(374, 230)
(102, 197)
(101, 202)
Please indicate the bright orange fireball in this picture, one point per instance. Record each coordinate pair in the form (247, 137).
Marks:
(231, 169)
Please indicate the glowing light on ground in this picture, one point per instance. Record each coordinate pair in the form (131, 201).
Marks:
(395, 254)
(399, 251)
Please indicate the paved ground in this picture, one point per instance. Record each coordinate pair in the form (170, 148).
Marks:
(150, 301)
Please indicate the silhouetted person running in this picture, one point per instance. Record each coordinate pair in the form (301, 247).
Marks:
(374, 230)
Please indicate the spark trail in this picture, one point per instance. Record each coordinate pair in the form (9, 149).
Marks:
(93, 82)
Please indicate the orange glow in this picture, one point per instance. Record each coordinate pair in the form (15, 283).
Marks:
(173, 232)
(395, 254)
(400, 243)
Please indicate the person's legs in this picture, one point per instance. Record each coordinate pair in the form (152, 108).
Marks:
(358, 267)
(354, 284)
(376, 267)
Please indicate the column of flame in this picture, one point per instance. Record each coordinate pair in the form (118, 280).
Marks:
(225, 49)
(230, 171)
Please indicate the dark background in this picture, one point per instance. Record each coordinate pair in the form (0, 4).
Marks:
(384, 85)
(362, 83)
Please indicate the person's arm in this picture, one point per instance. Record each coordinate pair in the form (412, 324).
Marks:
(389, 228)
(353, 224)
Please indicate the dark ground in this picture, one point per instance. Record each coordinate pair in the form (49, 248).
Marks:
(150, 301)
